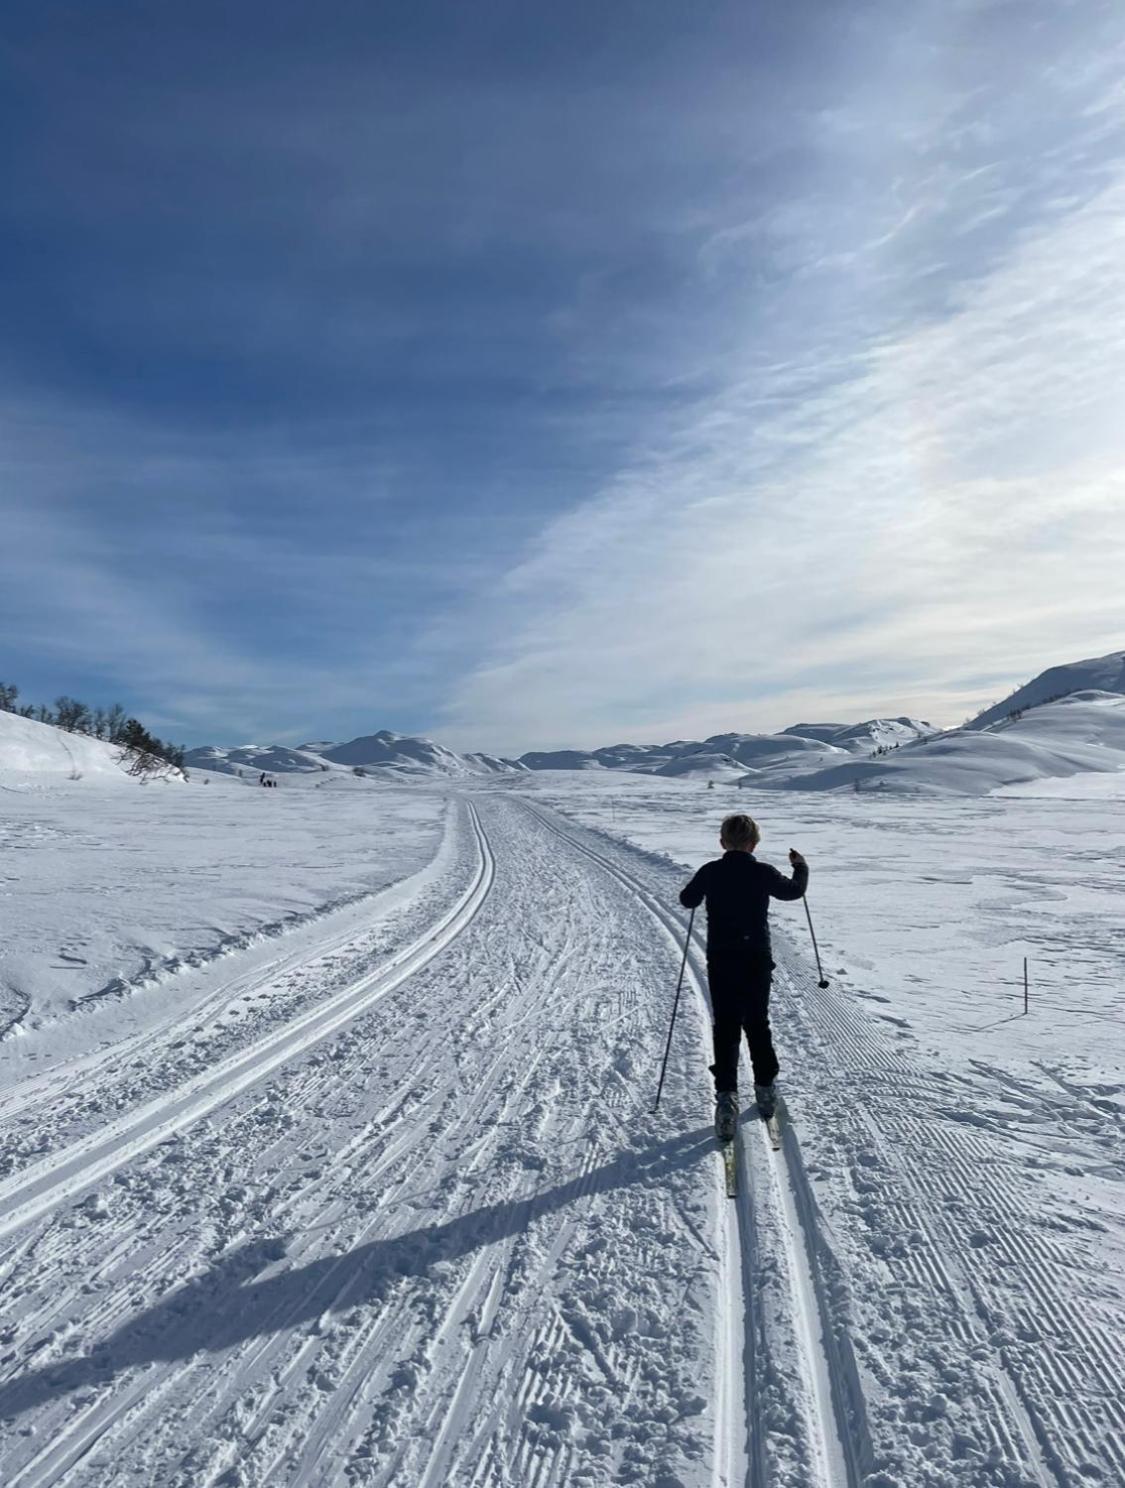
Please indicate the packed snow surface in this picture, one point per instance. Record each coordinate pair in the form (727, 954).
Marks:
(359, 1182)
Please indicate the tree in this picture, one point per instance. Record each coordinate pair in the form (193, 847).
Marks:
(8, 695)
(114, 722)
(71, 715)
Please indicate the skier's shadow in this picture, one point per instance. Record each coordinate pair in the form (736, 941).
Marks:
(226, 1306)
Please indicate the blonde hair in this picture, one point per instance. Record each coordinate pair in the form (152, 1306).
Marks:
(740, 833)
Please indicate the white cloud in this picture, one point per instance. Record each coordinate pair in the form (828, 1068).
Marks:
(952, 508)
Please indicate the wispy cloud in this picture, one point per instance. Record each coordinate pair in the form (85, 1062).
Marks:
(486, 370)
(948, 506)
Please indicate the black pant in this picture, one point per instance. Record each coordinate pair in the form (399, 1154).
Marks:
(740, 1000)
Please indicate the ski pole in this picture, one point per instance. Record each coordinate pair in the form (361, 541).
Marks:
(816, 951)
(675, 1006)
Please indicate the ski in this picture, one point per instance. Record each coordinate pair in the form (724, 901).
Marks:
(773, 1131)
(730, 1166)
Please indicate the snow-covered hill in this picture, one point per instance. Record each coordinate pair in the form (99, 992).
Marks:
(400, 754)
(1096, 674)
(1084, 731)
(711, 766)
(384, 754)
(252, 759)
(38, 753)
(792, 751)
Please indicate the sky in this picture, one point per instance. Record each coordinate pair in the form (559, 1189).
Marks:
(533, 375)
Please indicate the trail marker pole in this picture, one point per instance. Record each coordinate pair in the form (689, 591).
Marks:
(1025, 985)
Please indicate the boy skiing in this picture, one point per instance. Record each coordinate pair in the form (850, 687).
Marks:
(738, 890)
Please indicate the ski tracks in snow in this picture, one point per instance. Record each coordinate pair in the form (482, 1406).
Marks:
(417, 1234)
(420, 1230)
(38, 1189)
(990, 1343)
(789, 1406)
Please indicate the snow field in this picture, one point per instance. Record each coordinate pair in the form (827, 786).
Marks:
(108, 892)
(90, 1159)
(966, 1228)
(422, 1229)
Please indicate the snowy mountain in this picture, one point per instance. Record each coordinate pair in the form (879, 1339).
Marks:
(882, 733)
(1097, 674)
(561, 759)
(793, 750)
(402, 755)
(382, 754)
(274, 759)
(866, 737)
(713, 766)
(1084, 731)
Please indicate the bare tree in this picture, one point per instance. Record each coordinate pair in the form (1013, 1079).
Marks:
(71, 715)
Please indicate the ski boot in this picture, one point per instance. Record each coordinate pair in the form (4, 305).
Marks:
(726, 1115)
(766, 1097)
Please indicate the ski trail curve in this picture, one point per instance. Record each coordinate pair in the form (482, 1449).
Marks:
(34, 1191)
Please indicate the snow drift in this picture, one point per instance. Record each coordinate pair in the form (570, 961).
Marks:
(39, 753)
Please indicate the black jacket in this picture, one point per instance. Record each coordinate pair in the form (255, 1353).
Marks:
(738, 890)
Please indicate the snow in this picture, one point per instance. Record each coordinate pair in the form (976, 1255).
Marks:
(384, 755)
(35, 755)
(1096, 674)
(1083, 732)
(106, 890)
(350, 1174)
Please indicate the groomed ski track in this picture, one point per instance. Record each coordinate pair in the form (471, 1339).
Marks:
(36, 1191)
(770, 1344)
(422, 1230)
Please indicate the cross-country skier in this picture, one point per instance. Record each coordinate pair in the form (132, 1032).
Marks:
(738, 890)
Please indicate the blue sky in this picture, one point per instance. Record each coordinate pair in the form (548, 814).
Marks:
(535, 374)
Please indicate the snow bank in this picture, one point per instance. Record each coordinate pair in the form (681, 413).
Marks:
(34, 754)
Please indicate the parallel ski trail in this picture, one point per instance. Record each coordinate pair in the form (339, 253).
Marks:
(416, 1252)
(832, 1460)
(36, 1190)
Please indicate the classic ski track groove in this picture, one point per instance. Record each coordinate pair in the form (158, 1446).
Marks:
(280, 1429)
(44, 1089)
(1037, 1406)
(34, 1191)
(835, 1457)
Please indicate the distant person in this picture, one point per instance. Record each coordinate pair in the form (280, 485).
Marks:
(738, 890)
